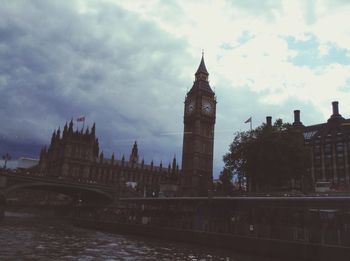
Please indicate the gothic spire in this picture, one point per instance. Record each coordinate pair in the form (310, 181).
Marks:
(70, 128)
(53, 137)
(201, 79)
(65, 130)
(93, 129)
(123, 160)
(134, 156)
(58, 134)
(134, 148)
(174, 163)
(202, 73)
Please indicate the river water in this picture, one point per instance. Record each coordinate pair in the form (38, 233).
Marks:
(27, 237)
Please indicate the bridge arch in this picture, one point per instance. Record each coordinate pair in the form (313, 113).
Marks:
(86, 194)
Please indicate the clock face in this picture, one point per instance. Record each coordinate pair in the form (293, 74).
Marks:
(207, 107)
(191, 106)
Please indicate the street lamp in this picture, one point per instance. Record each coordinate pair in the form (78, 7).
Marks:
(6, 157)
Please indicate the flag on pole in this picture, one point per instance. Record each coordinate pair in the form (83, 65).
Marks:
(81, 118)
(249, 120)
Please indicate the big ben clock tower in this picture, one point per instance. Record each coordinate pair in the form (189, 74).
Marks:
(198, 139)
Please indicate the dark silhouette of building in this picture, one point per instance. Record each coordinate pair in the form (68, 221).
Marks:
(75, 156)
(329, 144)
(198, 138)
(269, 175)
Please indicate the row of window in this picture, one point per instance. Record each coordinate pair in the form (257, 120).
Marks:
(75, 152)
(339, 147)
(329, 173)
(97, 174)
(328, 159)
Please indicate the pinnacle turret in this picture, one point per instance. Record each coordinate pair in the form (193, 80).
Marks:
(174, 164)
(134, 156)
(58, 134)
(53, 137)
(65, 130)
(93, 130)
(202, 69)
(201, 79)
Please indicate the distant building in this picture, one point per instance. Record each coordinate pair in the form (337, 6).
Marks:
(11, 164)
(26, 163)
(330, 143)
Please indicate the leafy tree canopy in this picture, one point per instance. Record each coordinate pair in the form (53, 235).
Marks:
(268, 156)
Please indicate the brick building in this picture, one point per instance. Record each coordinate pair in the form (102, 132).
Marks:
(330, 143)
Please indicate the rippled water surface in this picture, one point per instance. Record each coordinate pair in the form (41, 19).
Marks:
(24, 237)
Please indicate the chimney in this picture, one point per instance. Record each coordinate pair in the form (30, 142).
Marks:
(268, 120)
(297, 121)
(335, 108)
(335, 114)
(297, 116)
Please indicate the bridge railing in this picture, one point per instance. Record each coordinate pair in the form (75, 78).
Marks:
(110, 185)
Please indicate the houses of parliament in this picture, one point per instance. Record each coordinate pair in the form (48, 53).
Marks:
(75, 155)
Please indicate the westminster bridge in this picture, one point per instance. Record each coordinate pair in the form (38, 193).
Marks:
(77, 189)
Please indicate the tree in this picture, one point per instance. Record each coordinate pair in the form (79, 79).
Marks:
(268, 157)
(6, 157)
(226, 182)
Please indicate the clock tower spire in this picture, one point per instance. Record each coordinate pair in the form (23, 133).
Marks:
(198, 137)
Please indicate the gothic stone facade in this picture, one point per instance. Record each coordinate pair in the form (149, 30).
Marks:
(74, 156)
(198, 139)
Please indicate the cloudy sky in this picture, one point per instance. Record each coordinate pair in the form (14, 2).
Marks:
(127, 66)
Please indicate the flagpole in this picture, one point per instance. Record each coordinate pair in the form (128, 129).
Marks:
(81, 119)
(250, 122)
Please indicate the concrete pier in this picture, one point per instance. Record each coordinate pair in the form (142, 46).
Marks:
(2, 206)
(2, 196)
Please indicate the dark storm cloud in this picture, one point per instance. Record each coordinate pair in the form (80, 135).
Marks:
(57, 62)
